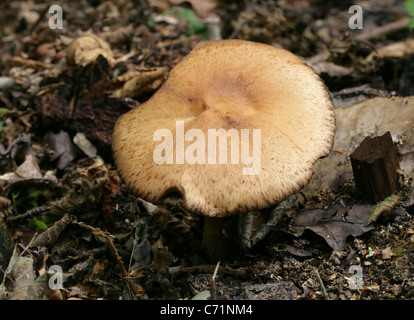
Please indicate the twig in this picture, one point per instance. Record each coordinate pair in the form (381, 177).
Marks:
(348, 259)
(5, 274)
(12, 263)
(27, 215)
(206, 269)
(139, 292)
(382, 30)
(37, 182)
(29, 63)
(365, 36)
(321, 284)
(213, 282)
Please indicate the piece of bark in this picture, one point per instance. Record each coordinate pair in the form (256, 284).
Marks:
(6, 245)
(375, 165)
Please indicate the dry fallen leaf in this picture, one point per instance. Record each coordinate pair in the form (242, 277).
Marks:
(387, 253)
(86, 49)
(107, 10)
(395, 50)
(384, 206)
(27, 13)
(139, 82)
(160, 5)
(62, 147)
(119, 36)
(85, 145)
(29, 169)
(49, 237)
(353, 123)
(334, 224)
(162, 257)
(28, 63)
(298, 252)
(332, 69)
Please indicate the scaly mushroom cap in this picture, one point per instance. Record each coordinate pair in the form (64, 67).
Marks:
(229, 84)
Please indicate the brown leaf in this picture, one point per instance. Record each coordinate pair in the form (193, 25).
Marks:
(107, 10)
(332, 69)
(119, 36)
(83, 190)
(29, 169)
(353, 124)
(62, 147)
(49, 237)
(86, 49)
(139, 82)
(160, 5)
(394, 50)
(162, 257)
(298, 252)
(387, 253)
(334, 224)
(28, 63)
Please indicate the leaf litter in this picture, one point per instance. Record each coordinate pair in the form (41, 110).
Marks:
(60, 97)
(335, 224)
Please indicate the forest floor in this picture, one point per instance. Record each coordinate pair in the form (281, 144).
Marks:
(64, 208)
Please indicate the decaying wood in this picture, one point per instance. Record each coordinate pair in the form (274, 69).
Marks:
(6, 245)
(375, 165)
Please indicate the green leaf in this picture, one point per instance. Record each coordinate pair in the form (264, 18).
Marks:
(3, 111)
(150, 22)
(194, 25)
(409, 6)
(203, 295)
(26, 198)
(38, 224)
(410, 24)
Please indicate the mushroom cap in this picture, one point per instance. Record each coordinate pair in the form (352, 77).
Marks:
(229, 84)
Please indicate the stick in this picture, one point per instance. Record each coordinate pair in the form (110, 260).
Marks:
(12, 263)
(365, 36)
(321, 284)
(139, 292)
(213, 282)
(27, 215)
(206, 269)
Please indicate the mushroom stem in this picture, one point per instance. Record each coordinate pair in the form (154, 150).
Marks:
(219, 237)
(226, 238)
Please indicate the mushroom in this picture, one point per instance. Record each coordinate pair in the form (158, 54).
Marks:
(271, 109)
